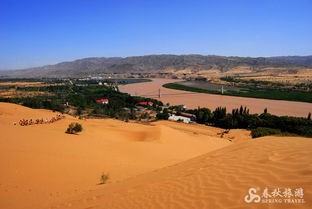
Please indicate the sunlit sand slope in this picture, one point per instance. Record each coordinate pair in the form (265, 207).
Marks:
(41, 165)
(219, 179)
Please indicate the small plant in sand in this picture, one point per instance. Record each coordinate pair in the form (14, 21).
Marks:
(104, 178)
(74, 128)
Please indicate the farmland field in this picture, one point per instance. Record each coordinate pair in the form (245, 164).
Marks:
(247, 91)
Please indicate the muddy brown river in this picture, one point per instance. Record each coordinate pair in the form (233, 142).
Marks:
(211, 101)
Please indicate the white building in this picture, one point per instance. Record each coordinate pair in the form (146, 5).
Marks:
(179, 118)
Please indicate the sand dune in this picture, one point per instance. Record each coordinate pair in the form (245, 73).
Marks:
(219, 179)
(41, 165)
(161, 165)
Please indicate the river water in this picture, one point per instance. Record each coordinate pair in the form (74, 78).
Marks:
(194, 100)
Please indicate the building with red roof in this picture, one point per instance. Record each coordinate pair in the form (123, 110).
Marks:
(145, 103)
(102, 101)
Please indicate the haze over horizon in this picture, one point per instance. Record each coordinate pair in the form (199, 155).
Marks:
(36, 33)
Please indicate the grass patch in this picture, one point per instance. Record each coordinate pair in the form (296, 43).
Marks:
(264, 93)
(263, 131)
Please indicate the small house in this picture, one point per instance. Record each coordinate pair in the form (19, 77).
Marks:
(102, 101)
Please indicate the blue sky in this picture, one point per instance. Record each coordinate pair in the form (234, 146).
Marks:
(38, 32)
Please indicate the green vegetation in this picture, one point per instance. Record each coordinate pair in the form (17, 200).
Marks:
(163, 115)
(240, 118)
(258, 83)
(74, 128)
(254, 92)
(262, 131)
(27, 80)
(37, 102)
(252, 82)
(188, 88)
(79, 99)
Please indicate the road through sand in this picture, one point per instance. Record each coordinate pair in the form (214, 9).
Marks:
(194, 100)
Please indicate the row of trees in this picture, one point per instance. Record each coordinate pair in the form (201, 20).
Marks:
(123, 106)
(82, 98)
(241, 118)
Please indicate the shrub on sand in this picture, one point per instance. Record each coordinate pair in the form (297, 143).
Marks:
(74, 128)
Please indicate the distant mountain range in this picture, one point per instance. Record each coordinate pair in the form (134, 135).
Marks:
(301, 60)
(156, 64)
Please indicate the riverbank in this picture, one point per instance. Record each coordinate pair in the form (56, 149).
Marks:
(193, 100)
(251, 92)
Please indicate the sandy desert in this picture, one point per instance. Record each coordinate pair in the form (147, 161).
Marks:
(42, 164)
(158, 165)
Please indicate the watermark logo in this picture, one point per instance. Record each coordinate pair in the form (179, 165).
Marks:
(252, 196)
(276, 195)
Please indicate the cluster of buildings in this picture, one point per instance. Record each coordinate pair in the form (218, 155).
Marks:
(182, 117)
